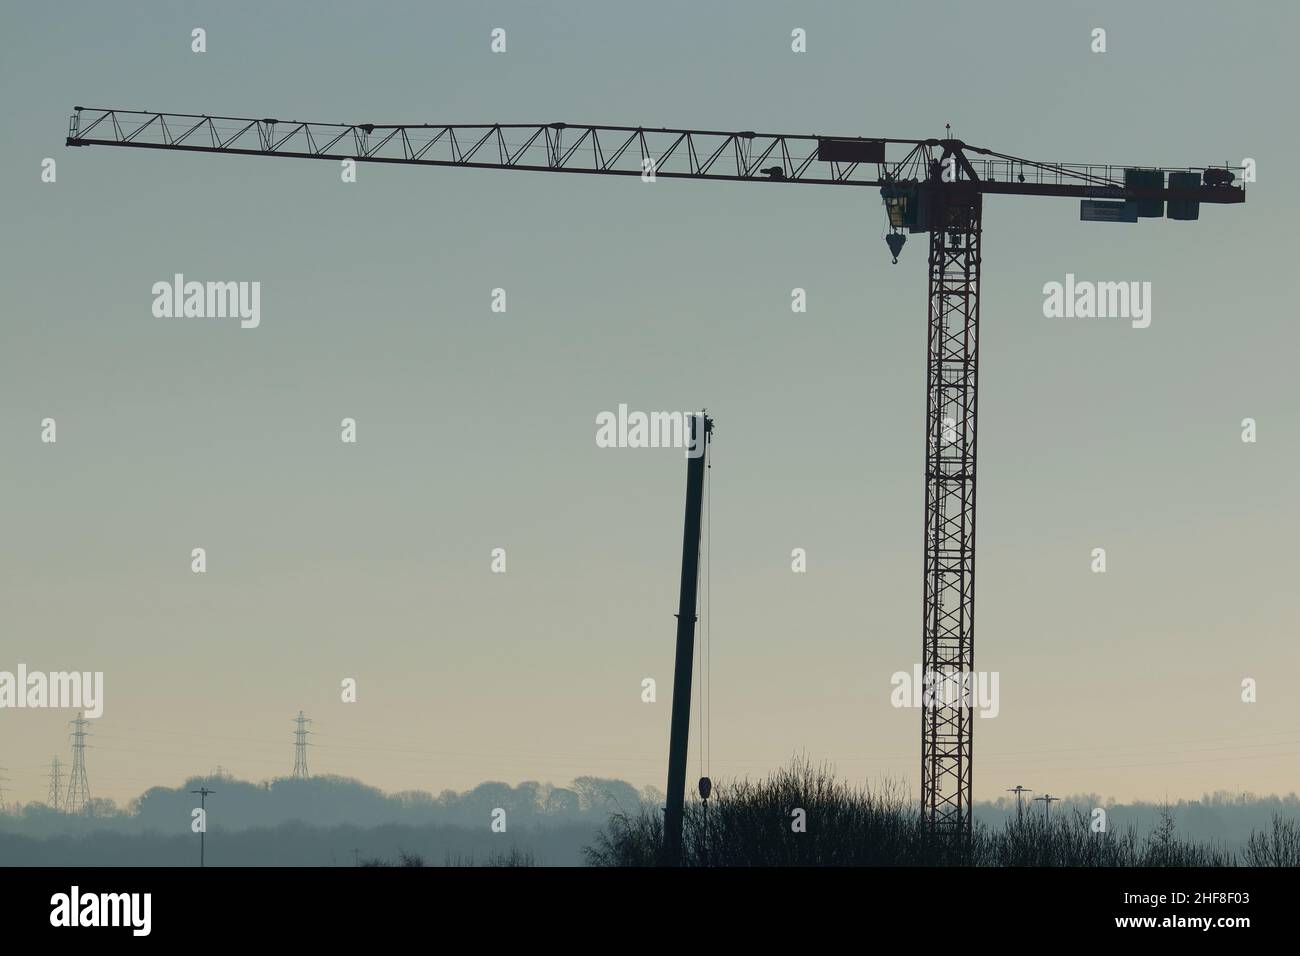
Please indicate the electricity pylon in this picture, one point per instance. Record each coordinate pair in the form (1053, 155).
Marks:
(300, 747)
(56, 784)
(78, 785)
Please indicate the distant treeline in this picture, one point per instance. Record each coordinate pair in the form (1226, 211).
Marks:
(322, 821)
(335, 801)
(298, 844)
(332, 801)
(338, 821)
(1222, 818)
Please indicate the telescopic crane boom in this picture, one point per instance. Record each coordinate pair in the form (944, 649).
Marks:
(701, 430)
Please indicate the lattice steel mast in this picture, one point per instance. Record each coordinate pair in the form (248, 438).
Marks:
(78, 783)
(948, 629)
(56, 784)
(300, 747)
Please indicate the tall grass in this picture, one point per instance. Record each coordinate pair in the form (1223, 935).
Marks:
(510, 858)
(750, 823)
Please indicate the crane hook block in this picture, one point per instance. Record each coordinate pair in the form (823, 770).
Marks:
(895, 242)
(706, 787)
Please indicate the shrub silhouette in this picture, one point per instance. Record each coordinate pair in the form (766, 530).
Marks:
(1278, 846)
(749, 823)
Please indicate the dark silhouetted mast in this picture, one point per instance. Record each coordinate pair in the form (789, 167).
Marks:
(700, 427)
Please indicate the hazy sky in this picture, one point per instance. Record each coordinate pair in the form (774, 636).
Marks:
(476, 429)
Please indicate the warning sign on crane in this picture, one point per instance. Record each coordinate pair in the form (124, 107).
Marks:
(1100, 210)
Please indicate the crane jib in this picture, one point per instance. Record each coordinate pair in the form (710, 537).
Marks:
(649, 152)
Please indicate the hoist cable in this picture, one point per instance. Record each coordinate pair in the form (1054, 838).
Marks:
(708, 613)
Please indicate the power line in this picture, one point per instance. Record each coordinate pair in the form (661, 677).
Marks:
(350, 756)
(1162, 747)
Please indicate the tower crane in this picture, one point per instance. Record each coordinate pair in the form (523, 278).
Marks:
(935, 187)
